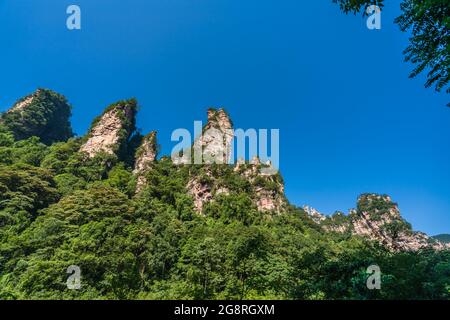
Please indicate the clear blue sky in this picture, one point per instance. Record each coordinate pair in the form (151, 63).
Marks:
(350, 120)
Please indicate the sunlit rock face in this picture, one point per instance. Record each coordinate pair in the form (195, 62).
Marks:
(22, 104)
(378, 218)
(145, 156)
(315, 215)
(267, 191)
(217, 135)
(111, 130)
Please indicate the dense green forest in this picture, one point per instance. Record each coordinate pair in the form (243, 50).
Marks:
(59, 208)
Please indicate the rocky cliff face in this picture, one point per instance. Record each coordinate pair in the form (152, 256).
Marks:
(145, 156)
(378, 218)
(315, 215)
(23, 103)
(217, 136)
(201, 192)
(110, 132)
(267, 191)
(44, 114)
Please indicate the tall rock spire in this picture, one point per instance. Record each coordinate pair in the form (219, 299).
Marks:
(216, 139)
(110, 132)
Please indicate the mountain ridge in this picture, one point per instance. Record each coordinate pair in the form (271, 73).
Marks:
(111, 132)
(140, 226)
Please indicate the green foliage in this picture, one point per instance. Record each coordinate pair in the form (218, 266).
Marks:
(228, 208)
(338, 221)
(60, 154)
(429, 47)
(45, 116)
(355, 6)
(24, 190)
(376, 206)
(396, 227)
(59, 208)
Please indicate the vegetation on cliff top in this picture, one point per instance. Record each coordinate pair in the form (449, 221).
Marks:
(44, 114)
(58, 209)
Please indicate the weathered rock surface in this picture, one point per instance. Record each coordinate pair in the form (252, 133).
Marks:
(315, 215)
(269, 189)
(145, 156)
(216, 139)
(201, 193)
(111, 130)
(23, 103)
(215, 144)
(378, 218)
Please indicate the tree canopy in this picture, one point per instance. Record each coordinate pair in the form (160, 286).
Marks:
(58, 210)
(429, 44)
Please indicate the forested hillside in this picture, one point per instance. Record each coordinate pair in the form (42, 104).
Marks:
(142, 227)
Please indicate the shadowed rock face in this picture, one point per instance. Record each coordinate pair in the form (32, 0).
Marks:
(145, 156)
(378, 218)
(111, 130)
(44, 114)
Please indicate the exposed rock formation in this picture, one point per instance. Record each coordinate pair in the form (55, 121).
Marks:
(269, 200)
(378, 218)
(145, 156)
(215, 143)
(268, 189)
(44, 114)
(110, 132)
(216, 139)
(20, 105)
(315, 215)
(201, 193)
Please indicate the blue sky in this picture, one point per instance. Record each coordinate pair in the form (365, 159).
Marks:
(350, 120)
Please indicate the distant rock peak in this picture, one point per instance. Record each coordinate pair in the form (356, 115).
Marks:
(377, 218)
(315, 215)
